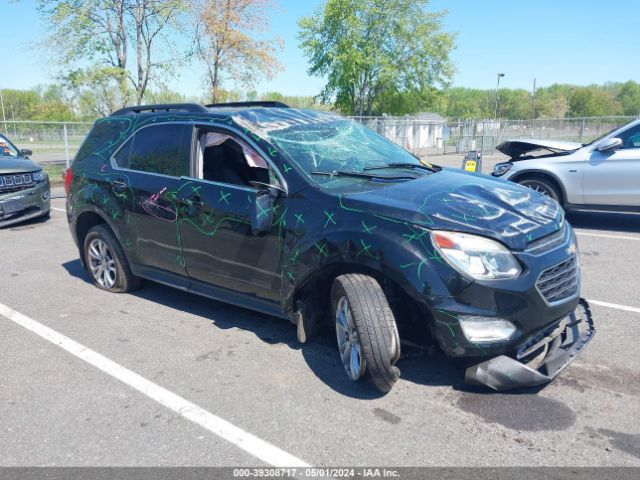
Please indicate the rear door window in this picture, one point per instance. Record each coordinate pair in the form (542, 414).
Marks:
(163, 149)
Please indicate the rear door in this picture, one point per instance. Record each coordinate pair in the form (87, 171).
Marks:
(612, 177)
(148, 172)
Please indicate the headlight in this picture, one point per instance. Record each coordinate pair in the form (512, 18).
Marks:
(477, 257)
(486, 329)
(39, 176)
(500, 169)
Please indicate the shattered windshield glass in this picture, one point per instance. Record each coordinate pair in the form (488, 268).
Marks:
(322, 143)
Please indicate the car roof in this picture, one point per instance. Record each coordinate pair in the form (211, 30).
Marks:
(195, 107)
(253, 115)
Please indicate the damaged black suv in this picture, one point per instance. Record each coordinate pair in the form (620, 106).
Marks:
(311, 217)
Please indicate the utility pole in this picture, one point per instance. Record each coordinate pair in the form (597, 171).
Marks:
(4, 118)
(534, 99)
(533, 109)
(500, 75)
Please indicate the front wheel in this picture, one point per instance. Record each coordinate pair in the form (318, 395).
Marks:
(542, 186)
(368, 340)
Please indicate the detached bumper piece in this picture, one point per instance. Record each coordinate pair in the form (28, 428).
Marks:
(541, 358)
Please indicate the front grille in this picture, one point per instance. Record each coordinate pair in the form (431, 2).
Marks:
(16, 182)
(549, 242)
(561, 281)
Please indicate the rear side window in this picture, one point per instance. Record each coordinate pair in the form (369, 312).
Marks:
(164, 149)
(103, 136)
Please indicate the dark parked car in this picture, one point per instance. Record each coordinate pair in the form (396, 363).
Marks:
(24, 186)
(314, 218)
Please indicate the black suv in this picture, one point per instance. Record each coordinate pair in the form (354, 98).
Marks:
(311, 217)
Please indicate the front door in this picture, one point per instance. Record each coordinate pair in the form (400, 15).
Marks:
(218, 244)
(613, 177)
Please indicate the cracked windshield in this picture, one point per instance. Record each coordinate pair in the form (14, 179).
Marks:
(336, 153)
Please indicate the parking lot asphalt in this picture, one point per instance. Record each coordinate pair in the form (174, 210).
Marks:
(59, 409)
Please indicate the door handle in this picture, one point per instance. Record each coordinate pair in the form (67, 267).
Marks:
(119, 185)
(193, 201)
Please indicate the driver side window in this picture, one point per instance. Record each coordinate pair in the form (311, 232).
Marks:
(630, 138)
(226, 159)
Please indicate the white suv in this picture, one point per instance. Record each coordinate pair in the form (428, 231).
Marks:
(601, 175)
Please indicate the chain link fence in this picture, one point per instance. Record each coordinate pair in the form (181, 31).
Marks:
(431, 137)
(54, 144)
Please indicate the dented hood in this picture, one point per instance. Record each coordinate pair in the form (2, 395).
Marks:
(518, 147)
(471, 203)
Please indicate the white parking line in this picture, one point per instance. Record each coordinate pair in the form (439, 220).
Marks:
(58, 209)
(248, 442)
(619, 237)
(614, 305)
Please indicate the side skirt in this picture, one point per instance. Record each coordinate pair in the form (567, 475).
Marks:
(209, 291)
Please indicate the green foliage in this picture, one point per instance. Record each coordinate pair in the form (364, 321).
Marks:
(105, 35)
(592, 102)
(370, 50)
(466, 103)
(294, 101)
(629, 98)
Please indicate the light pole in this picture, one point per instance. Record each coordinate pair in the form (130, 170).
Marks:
(500, 75)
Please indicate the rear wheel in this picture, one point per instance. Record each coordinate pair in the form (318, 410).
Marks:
(107, 263)
(368, 340)
(541, 185)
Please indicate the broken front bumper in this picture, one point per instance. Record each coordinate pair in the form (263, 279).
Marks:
(541, 358)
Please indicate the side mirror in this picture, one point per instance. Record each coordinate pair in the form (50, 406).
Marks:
(26, 152)
(609, 144)
(262, 213)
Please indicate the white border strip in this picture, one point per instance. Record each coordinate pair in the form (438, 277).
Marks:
(59, 209)
(602, 235)
(614, 305)
(248, 442)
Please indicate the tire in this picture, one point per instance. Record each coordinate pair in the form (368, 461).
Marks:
(541, 185)
(102, 248)
(369, 327)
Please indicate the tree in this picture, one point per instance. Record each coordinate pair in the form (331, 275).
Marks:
(629, 98)
(515, 104)
(295, 101)
(465, 103)
(100, 32)
(366, 48)
(592, 101)
(552, 102)
(225, 42)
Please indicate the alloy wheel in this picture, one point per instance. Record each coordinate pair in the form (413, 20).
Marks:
(537, 188)
(102, 263)
(349, 341)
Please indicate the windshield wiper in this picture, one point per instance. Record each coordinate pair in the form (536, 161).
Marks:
(432, 168)
(343, 173)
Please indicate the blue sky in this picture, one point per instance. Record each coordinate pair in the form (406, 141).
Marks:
(555, 41)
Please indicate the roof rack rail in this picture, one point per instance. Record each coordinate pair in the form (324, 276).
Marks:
(265, 103)
(163, 107)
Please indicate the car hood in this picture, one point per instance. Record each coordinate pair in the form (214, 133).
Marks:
(465, 202)
(521, 146)
(17, 165)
